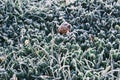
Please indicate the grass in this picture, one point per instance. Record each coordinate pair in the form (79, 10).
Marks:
(31, 48)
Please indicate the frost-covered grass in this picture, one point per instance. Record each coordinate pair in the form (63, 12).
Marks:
(31, 48)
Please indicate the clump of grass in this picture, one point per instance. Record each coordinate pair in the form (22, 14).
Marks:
(31, 48)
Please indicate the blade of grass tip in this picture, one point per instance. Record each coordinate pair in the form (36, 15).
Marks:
(106, 70)
(52, 42)
(70, 76)
(111, 62)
